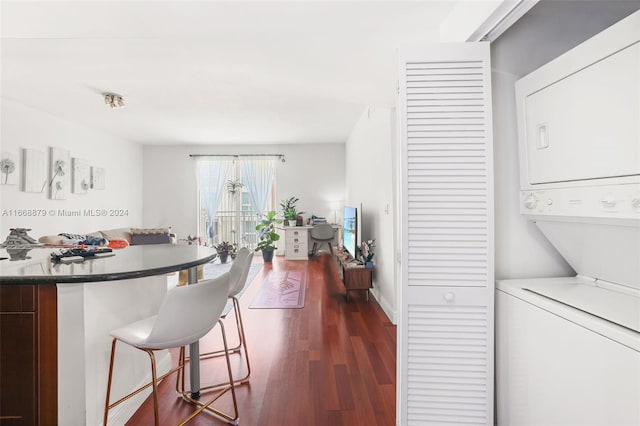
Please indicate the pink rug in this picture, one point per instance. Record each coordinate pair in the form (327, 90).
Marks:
(281, 290)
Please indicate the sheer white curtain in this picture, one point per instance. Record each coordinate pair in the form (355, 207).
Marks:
(212, 178)
(258, 176)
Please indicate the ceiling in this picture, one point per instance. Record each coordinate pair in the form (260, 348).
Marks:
(211, 72)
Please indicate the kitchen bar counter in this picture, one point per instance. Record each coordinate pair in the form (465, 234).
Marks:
(131, 262)
(55, 321)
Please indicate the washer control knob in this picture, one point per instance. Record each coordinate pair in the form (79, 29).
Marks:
(449, 296)
(635, 202)
(530, 201)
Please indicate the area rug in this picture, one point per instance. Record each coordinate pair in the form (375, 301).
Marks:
(281, 290)
(212, 270)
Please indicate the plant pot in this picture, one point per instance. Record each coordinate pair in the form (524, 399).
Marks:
(267, 255)
(224, 257)
(286, 222)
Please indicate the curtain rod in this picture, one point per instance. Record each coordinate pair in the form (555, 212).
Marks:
(278, 156)
(237, 155)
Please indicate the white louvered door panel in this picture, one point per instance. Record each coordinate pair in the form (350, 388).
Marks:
(446, 330)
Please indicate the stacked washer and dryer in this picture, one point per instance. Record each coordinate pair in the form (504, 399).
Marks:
(568, 349)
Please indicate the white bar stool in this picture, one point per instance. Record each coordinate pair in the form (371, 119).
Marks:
(238, 281)
(172, 328)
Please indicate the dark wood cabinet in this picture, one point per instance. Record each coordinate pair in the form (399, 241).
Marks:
(28, 355)
(354, 275)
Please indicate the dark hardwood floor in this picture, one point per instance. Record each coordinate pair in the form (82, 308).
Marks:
(331, 363)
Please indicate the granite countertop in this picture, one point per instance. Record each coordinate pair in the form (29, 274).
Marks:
(130, 262)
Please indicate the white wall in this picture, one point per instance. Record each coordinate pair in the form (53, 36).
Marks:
(541, 35)
(24, 127)
(548, 30)
(314, 173)
(521, 249)
(369, 181)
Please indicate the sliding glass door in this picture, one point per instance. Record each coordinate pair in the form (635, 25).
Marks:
(236, 217)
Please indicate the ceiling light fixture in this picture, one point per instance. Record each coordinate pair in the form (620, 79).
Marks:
(114, 100)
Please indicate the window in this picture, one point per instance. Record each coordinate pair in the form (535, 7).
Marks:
(236, 216)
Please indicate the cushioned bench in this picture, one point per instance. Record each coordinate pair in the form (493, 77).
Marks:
(134, 236)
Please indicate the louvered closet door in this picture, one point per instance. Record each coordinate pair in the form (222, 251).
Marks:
(446, 302)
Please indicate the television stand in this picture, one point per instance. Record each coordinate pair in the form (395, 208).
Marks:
(354, 275)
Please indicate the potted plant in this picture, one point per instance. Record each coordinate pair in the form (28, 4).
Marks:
(233, 186)
(268, 235)
(289, 211)
(224, 249)
(234, 251)
(366, 252)
(289, 217)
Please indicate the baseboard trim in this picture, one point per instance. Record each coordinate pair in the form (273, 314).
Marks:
(385, 305)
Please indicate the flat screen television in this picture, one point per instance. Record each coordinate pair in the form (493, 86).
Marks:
(350, 230)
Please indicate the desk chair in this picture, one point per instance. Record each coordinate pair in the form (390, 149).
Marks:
(238, 274)
(172, 328)
(322, 233)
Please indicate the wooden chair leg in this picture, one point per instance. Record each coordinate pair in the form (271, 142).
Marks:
(180, 374)
(154, 380)
(236, 348)
(106, 404)
(243, 349)
(243, 340)
(153, 383)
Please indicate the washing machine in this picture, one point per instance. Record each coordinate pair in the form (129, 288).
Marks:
(568, 348)
(567, 352)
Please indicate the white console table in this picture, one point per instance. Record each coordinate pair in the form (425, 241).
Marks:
(296, 241)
